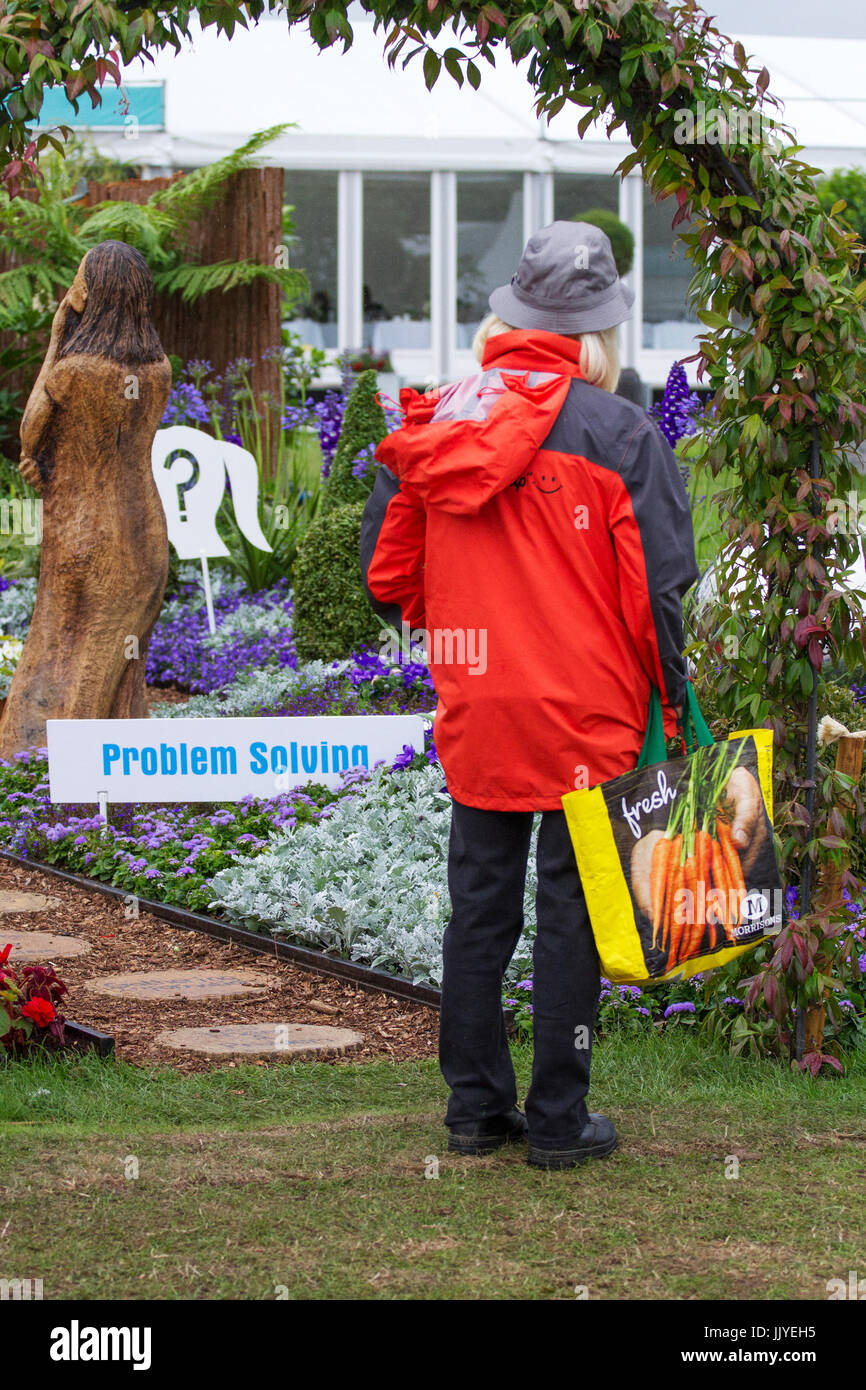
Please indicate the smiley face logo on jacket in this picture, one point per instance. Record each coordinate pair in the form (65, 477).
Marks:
(545, 482)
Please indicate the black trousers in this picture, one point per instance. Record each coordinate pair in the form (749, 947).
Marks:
(486, 878)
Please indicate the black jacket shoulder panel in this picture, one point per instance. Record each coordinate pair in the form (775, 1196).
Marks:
(596, 425)
(386, 486)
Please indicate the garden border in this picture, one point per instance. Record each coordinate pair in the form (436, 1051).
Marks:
(79, 1037)
(317, 962)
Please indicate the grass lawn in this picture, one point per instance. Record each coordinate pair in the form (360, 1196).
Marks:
(308, 1181)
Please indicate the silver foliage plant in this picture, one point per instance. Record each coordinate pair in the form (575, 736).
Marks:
(16, 608)
(367, 883)
(252, 692)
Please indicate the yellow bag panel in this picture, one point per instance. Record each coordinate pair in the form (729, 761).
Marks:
(764, 744)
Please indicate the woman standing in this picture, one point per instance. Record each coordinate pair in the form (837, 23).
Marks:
(530, 510)
(86, 438)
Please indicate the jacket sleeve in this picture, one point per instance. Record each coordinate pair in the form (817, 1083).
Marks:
(393, 533)
(655, 549)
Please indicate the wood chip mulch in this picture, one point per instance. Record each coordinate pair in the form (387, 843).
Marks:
(165, 695)
(392, 1028)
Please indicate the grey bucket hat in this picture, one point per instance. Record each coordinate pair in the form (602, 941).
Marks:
(566, 283)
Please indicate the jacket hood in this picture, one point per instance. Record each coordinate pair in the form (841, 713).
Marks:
(463, 443)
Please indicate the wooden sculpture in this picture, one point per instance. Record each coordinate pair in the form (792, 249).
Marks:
(86, 440)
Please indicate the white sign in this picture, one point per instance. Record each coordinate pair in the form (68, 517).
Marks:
(189, 469)
(216, 759)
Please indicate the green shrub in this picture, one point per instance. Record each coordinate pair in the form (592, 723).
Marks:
(849, 184)
(621, 238)
(332, 615)
(837, 699)
(363, 425)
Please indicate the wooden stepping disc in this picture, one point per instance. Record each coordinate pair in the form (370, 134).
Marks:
(13, 901)
(263, 1040)
(181, 984)
(39, 946)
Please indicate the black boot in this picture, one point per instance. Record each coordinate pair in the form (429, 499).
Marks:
(597, 1139)
(481, 1136)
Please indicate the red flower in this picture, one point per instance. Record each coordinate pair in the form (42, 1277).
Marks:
(40, 1010)
(4, 954)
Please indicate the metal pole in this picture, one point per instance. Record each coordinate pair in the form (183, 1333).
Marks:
(208, 595)
(811, 761)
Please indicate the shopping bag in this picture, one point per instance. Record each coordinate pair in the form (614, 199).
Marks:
(668, 891)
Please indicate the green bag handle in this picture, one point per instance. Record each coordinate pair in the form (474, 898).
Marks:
(697, 732)
(694, 729)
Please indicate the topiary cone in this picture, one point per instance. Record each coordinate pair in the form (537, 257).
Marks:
(363, 424)
(332, 616)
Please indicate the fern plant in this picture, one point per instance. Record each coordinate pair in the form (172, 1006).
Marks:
(192, 281)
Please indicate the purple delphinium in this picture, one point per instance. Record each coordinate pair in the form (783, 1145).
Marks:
(676, 411)
(325, 417)
(365, 462)
(328, 418)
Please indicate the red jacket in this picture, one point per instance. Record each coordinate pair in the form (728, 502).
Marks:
(538, 528)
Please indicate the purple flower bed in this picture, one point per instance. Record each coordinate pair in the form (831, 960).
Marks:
(371, 675)
(167, 852)
(704, 997)
(179, 654)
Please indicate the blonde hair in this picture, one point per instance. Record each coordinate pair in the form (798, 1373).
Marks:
(599, 352)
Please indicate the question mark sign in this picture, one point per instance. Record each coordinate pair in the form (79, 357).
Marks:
(190, 482)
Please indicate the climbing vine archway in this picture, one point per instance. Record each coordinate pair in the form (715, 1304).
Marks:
(785, 326)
